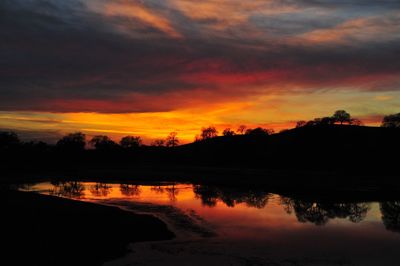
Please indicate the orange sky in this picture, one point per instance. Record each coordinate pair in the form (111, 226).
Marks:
(273, 111)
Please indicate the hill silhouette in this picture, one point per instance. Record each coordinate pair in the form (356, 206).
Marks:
(325, 147)
(297, 154)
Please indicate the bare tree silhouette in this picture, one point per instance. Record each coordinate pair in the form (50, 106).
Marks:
(172, 140)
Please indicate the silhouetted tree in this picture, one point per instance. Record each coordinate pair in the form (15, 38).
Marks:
(172, 140)
(301, 123)
(103, 143)
(241, 129)
(326, 120)
(72, 142)
(321, 121)
(259, 131)
(208, 133)
(342, 116)
(228, 132)
(391, 215)
(158, 143)
(391, 121)
(130, 142)
(9, 140)
(37, 145)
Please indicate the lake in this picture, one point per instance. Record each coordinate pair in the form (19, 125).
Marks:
(219, 225)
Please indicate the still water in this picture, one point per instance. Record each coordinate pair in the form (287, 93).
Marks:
(255, 226)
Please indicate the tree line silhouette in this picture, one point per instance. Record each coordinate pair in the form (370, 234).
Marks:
(77, 141)
(339, 117)
(336, 147)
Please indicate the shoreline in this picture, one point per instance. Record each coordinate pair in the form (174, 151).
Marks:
(185, 225)
(223, 248)
(47, 230)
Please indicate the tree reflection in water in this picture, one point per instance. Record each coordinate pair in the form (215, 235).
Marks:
(391, 215)
(210, 195)
(100, 189)
(316, 212)
(69, 189)
(172, 192)
(207, 194)
(157, 189)
(320, 213)
(130, 190)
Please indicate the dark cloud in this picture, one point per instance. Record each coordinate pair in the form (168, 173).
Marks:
(384, 4)
(55, 53)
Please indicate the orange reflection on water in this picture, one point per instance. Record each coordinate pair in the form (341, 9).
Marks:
(160, 194)
(254, 220)
(257, 213)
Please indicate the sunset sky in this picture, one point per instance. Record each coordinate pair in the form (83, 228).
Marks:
(130, 67)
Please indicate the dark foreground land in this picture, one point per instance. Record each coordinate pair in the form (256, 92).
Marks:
(343, 163)
(45, 230)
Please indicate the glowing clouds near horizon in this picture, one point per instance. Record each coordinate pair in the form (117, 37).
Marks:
(184, 64)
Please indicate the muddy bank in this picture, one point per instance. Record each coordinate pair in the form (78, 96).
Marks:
(186, 224)
(45, 230)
